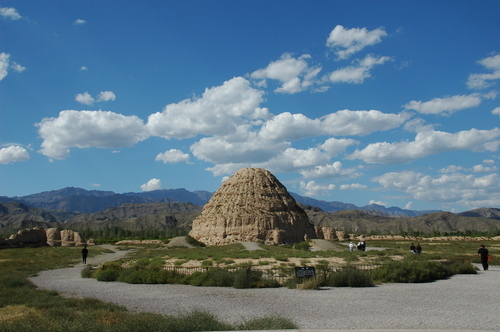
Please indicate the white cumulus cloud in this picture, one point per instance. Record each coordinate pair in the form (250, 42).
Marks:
(294, 74)
(481, 81)
(429, 143)
(219, 111)
(172, 156)
(86, 99)
(464, 189)
(5, 64)
(360, 123)
(79, 22)
(153, 184)
(242, 146)
(444, 106)
(335, 170)
(106, 96)
(353, 186)
(311, 188)
(14, 153)
(9, 13)
(345, 42)
(83, 129)
(358, 72)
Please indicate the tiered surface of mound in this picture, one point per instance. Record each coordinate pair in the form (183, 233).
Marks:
(252, 206)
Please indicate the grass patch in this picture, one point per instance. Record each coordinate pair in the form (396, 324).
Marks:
(25, 308)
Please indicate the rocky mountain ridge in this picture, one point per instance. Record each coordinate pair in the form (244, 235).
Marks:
(160, 212)
(79, 200)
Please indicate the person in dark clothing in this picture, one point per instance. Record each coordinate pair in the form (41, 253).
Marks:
(412, 248)
(418, 250)
(85, 253)
(483, 253)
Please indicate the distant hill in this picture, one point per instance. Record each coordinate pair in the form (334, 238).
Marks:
(15, 216)
(489, 213)
(157, 216)
(372, 209)
(167, 208)
(175, 195)
(90, 201)
(80, 200)
(360, 222)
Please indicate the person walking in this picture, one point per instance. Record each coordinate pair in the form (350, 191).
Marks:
(483, 253)
(85, 253)
(418, 250)
(412, 248)
(351, 246)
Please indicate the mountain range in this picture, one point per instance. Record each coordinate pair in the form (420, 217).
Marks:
(80, 200)
(77, 208)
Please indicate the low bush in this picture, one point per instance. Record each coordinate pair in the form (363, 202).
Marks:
(411, 272)
(302, 245)
(87, 272)
(212, 278)
(463, 268)
(349, 277)
(246, 278)
(107, 275)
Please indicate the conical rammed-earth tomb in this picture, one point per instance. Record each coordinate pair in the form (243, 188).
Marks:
(252, 206)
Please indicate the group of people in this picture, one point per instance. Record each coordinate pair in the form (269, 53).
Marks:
(416, 249)
(361, 246)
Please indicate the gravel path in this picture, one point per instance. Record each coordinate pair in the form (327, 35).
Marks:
(463, 302)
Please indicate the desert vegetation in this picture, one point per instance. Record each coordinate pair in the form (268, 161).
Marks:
(233, 266)
(25, 308)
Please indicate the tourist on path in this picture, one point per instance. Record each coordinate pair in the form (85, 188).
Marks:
(85, 253)
(483, 253)
(351, 246)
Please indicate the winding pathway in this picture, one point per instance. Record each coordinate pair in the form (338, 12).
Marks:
(463, 302)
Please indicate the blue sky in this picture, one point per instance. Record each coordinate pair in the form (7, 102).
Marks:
(387, 102)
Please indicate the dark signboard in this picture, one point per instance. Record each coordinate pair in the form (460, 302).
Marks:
(305, 272)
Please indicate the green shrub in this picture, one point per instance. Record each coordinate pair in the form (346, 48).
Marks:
(107, 275)
(302, 245)
(246, 278)
(207, 263)
(212, 278)
(290, 283)
(87, 272)
(149, 275)
(411, 272)
(463, 268)
(142, 262)
(349, 277)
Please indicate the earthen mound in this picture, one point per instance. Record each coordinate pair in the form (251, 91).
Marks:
(252, 206)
